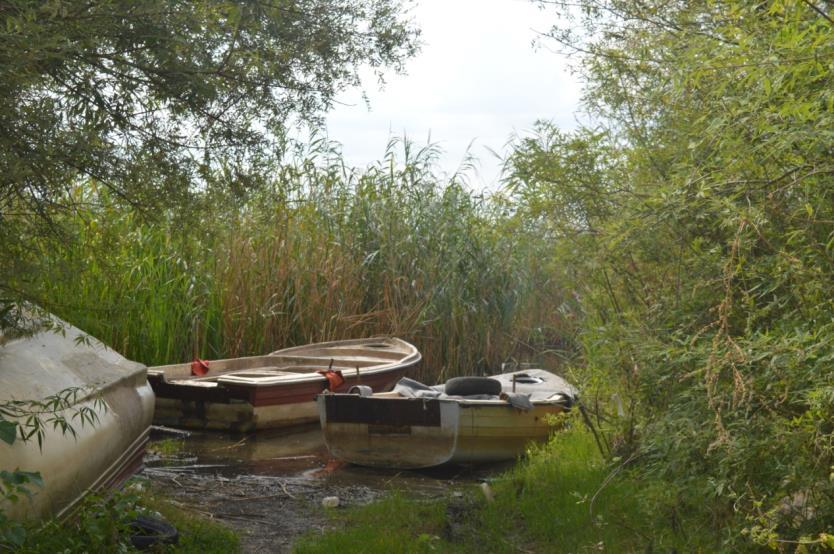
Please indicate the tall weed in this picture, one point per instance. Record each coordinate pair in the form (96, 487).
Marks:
(322, 253)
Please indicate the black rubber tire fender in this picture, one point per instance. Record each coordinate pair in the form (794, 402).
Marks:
(467, 386)
(151, 531)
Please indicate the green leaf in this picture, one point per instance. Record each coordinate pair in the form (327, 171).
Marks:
(15, 534)
(32, 477)
(8, 431)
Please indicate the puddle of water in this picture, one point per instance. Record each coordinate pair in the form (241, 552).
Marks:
(300, 454)
(272, 452)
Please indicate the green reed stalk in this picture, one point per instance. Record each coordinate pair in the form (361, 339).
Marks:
(322, 254)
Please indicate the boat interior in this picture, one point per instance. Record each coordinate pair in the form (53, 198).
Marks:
(537, 384)
(292, 363)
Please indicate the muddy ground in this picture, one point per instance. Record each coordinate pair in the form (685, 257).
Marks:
(270, 513)
(269, 487)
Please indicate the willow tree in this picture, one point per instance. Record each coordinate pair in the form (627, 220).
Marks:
(718, 249)
(150, 98)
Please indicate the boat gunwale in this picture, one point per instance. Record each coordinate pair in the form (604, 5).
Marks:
(409, 358)
(461, 401)
(228, 381)
(302, 378)
(350, 342)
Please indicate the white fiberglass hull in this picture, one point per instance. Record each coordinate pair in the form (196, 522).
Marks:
(98, 455)
(412, 433)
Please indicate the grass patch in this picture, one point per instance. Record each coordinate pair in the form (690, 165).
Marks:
(555, 501)
(393, 524)
(166, 447)
(559, 499)
(198, 534)
(101, 525)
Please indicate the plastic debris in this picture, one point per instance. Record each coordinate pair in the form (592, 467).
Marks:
(487, 490)
(330, 501)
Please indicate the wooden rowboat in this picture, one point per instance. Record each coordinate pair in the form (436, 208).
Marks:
(411, 429)
(99, 455)
(276, 390)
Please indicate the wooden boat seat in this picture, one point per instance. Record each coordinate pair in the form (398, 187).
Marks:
(197, 383)
(324, 362)
(260, 372)
(254, 372)
(389, 394)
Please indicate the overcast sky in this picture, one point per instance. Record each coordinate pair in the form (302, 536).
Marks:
(477, 78)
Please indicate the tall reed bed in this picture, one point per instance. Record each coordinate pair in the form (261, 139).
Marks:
(322, 253)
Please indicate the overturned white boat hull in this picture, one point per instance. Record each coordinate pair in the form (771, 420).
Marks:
(99, 455)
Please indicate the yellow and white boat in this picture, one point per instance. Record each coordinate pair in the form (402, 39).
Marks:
(468, 420)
